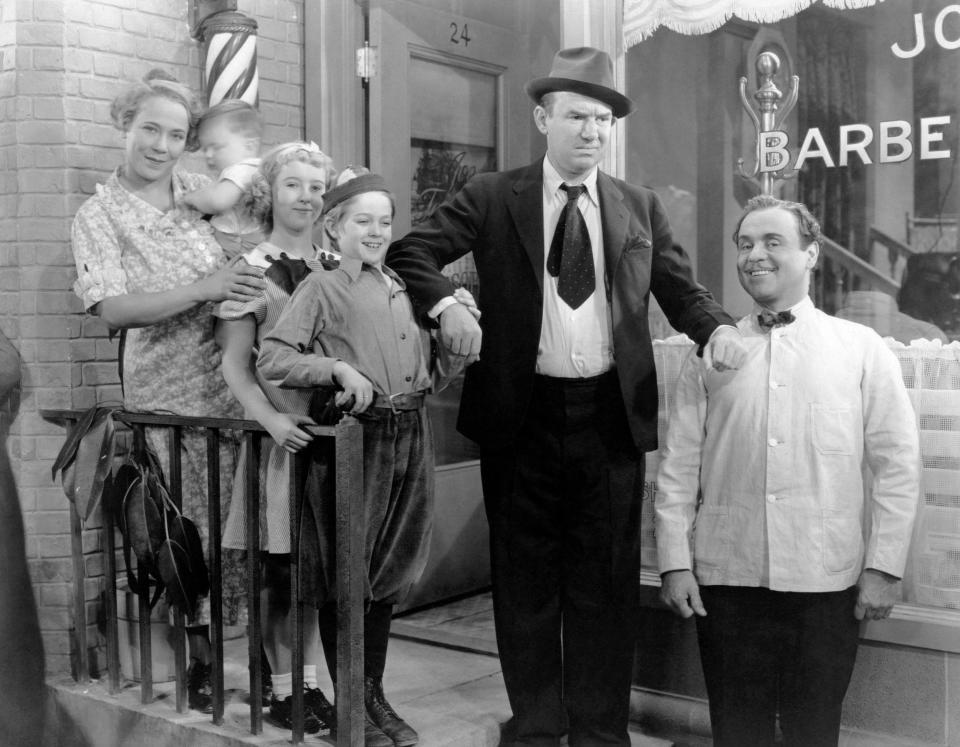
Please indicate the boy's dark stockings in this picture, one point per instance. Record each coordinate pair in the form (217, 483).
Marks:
(376, 635)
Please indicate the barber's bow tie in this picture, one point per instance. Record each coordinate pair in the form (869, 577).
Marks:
(770, 319)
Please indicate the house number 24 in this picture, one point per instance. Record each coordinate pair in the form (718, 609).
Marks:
(459, 34)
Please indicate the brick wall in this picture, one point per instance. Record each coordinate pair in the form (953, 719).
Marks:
(61, 64)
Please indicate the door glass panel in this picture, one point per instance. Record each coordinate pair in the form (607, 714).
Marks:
(453, 135)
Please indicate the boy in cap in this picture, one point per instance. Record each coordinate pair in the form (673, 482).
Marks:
(352, 329)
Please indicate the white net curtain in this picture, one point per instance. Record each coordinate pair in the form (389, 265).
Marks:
(642, 17)
(931, 372)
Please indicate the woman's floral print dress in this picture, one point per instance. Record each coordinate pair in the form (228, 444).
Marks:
(121, 245)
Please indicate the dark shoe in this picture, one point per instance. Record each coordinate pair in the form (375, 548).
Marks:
(281, 713)
(199, 687)
(383, 715)
(373, 736)
(322, 708)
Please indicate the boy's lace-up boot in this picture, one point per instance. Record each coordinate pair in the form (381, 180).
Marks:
(383, 715)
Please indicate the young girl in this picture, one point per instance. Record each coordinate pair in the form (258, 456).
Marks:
(354, 328)
(287, 199)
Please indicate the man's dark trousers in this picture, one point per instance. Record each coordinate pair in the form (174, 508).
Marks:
(563, 503)
(764, 651)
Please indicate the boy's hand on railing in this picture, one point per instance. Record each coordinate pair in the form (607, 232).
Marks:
(285, 430)
(355, 386)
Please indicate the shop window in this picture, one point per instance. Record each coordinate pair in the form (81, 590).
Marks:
(880, 173)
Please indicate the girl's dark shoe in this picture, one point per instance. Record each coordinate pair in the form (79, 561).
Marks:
(321, 707)
(281, 713)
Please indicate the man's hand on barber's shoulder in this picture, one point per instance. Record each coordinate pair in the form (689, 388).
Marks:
(460, 332)
(725, 350)
(681, 593)
(877, 592)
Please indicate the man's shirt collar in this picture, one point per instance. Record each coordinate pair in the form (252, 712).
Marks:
(552, 181)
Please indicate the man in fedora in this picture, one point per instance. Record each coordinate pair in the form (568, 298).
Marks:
(563, 398)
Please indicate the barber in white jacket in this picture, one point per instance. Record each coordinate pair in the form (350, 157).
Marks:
(763, 531)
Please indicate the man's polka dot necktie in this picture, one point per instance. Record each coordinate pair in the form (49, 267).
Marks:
(570, 256)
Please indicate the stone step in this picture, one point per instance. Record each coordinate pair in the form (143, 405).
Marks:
(453, 698)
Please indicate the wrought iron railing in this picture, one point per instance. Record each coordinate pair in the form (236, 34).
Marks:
(350, 570)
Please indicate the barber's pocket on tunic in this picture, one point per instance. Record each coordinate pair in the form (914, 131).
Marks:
(842, 540)
(711, 536)
(833, 429)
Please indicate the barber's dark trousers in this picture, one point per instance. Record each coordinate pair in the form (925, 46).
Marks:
(564, 511)
(761, 649)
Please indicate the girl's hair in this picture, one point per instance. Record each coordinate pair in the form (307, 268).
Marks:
(352, 182)
(260, 200)
(156, 83)
(239, 116)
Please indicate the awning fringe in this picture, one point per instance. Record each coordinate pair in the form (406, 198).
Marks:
(642, 17)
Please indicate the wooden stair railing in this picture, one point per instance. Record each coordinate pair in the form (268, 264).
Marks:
(840, 271)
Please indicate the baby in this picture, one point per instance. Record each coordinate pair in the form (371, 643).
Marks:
(229, 135)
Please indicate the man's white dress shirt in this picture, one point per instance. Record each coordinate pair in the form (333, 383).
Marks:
(779, 451)
(574, 342)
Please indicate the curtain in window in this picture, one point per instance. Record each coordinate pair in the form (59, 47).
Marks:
(642, 17)
(831, 62)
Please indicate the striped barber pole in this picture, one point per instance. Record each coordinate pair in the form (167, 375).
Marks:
(230, 70)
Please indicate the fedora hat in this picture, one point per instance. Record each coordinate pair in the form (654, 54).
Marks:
(586, 71)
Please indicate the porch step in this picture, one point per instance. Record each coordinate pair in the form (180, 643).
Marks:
(454, 698)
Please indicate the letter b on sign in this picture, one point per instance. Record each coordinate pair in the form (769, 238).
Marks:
(773, 150)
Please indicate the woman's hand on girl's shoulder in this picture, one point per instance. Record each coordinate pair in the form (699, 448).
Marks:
(235, 281)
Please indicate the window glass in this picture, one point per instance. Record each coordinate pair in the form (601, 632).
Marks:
(871, 147)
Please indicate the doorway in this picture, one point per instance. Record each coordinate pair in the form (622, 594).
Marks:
(441, 99)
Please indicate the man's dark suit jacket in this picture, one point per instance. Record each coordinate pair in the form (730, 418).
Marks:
(499, 216)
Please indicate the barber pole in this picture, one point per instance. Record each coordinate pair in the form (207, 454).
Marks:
(230, 70)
